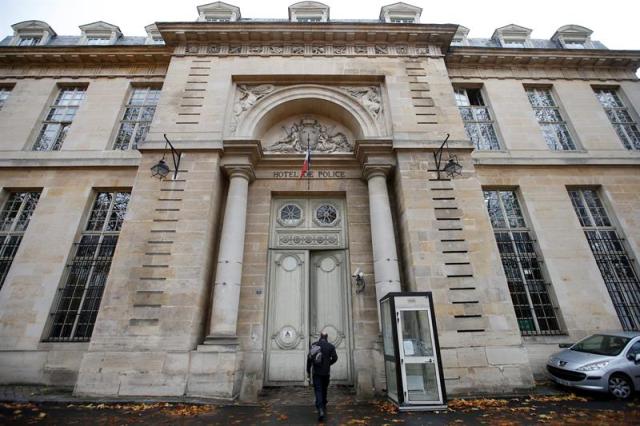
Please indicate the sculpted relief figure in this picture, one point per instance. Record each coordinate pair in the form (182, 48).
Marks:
(368, 96)
(310, 132)
(249, 95)
(246, 98)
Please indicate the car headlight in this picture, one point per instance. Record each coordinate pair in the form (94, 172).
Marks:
(594, 366)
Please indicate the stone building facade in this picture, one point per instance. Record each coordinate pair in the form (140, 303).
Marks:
(212, 281)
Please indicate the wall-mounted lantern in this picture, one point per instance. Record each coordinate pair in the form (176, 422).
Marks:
(453, 167)
(358, 279)
(161, 169)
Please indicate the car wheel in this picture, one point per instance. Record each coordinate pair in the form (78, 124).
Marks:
(620, 386)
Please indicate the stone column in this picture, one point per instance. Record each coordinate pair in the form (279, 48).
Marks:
(226, 291)
(385, 257)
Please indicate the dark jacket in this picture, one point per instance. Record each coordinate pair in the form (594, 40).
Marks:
(329, 357)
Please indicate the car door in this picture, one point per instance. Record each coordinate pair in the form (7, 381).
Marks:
(634, 369)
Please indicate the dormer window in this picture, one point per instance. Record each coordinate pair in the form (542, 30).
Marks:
(574, 45)
(512, 36)
(31, 33)
(400, 13)
(153, 35)
(513, 43)
(573, 37)
(309, 11)
(309, 19)
(402, 20)
(29, 41)
(218, 12)
(460, 37)
(99, 34)
(98, 41)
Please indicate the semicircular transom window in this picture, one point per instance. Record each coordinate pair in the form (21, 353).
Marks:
(290, 215)
(326, 215)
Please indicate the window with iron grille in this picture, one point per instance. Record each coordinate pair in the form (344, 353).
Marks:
(620, 118)
(78, 300)
(59, 118)
(554, 128)
(137, 117)
(616, 266)
(4, 95)
(530, 292)
(14, 219)
(477, 119)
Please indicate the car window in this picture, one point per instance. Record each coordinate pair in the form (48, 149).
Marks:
(602, 344)
(634, 350)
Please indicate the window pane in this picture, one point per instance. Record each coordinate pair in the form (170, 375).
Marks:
(615, 265)
(14, 219)
(522, 266)
(76, 309)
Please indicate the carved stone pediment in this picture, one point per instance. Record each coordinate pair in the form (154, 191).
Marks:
(312, 133)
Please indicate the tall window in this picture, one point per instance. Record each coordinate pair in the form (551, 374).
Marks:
(620, 118)
(522, 266)
(58, 121)
(4, 95)
(477, 119)
(616, 267)
(554, 128)
(137, 117)
(14, 219)
(79, 299)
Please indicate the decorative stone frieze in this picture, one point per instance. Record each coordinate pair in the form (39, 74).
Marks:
(329, 49)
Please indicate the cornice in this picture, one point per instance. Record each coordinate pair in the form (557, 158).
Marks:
(558, 58)
(177, 33)
(110, 55)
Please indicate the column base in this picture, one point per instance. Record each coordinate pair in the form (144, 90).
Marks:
(215, 369)
(231, 342)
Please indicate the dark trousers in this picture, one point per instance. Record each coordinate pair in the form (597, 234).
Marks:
(320, 385)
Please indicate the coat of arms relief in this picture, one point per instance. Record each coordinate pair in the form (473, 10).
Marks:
(309, 132)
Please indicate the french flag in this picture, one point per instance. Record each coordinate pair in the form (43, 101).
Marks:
(306, 166)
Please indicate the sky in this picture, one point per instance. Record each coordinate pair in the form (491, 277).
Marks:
(614, 22)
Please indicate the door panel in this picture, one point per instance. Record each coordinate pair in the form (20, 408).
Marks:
(287, 325)
(328, 304)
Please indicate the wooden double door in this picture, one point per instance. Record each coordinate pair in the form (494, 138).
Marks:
(308, 294)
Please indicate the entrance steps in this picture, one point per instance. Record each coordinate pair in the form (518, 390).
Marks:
(303, 395)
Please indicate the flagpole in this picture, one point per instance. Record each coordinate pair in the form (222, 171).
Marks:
(309, 160)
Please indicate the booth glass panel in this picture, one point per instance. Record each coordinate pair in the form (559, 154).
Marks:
(422, 382)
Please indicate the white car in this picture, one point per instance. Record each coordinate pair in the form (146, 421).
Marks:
(606, 362)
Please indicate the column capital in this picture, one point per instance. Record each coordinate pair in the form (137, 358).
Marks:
(239, 170)
(372, 170)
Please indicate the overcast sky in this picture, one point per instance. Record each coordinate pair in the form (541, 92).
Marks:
(614, 22)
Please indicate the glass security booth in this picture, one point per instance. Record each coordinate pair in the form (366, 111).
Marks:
(411, 352)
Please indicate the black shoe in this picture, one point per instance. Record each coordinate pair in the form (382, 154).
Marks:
(321, 414)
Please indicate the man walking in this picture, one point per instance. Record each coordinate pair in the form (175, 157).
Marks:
(321, 357)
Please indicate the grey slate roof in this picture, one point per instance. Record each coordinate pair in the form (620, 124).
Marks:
(140, 40)
(73, 41)
(536, 43)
